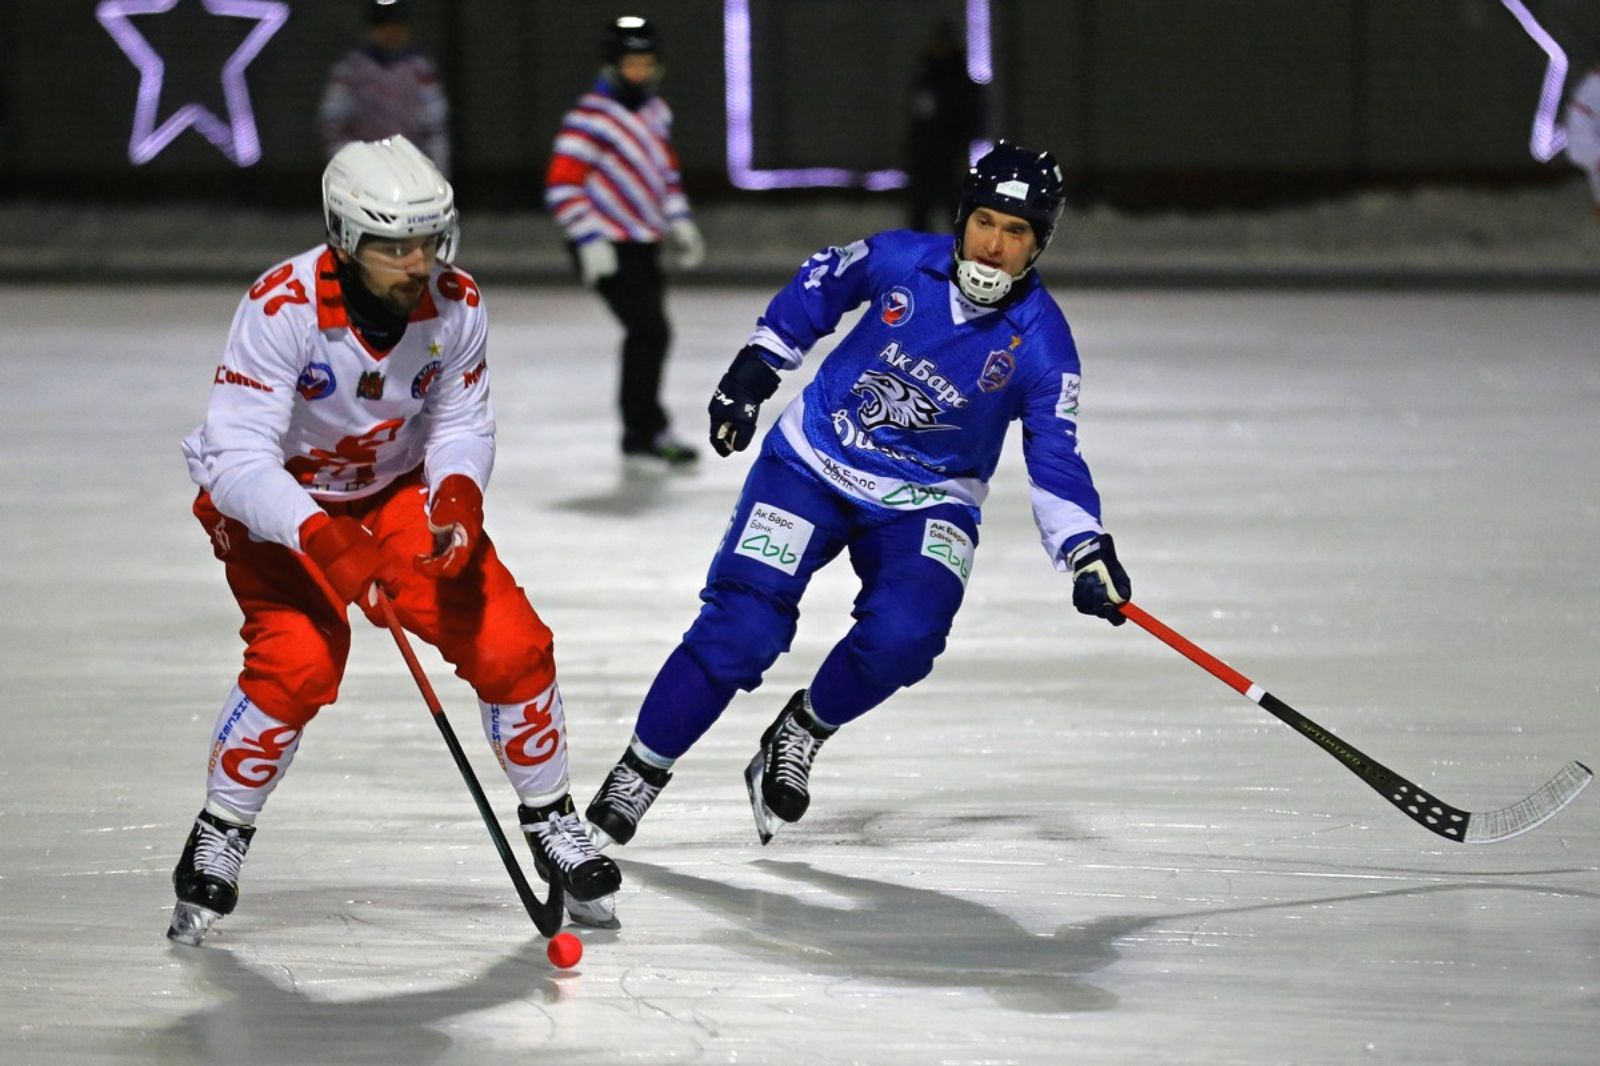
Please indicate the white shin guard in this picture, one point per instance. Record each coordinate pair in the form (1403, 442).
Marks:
(250, 752)
(530, 740)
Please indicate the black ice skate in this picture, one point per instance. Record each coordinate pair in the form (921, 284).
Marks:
(589, 880)
(778, 775)
(207, 876)
(628, 791)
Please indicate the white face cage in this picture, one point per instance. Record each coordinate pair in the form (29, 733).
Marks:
(981, 283)
(388, 189)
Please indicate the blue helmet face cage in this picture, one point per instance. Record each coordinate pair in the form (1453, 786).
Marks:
(1016, 181)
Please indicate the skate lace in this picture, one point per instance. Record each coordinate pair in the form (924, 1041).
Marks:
(795, 749)
(565, 841)
(220, 854)
(627, 791)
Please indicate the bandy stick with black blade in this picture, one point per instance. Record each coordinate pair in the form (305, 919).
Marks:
(1428, 811)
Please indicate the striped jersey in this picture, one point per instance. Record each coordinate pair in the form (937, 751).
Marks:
(613, 173)
(372, 94)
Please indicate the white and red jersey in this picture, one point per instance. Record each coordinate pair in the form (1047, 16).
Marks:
(303, 410)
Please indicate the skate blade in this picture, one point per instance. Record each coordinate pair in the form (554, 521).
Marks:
(190, 923)
(599, 837)
(767, 823)
(595, 913)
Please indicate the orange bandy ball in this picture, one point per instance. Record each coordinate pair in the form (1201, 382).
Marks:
(564, 951)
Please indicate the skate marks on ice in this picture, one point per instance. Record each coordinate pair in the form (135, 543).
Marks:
(931, 939)
(270, 1021)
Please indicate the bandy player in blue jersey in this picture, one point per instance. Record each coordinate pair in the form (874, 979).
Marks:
(887, 454)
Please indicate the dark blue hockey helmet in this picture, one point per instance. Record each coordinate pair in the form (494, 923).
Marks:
(628, 35)
(1017, 181)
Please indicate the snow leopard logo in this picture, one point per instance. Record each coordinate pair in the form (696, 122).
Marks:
(887, 400)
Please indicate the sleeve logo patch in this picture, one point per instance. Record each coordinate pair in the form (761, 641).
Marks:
(775, 537)
(1067, 402)
(949, 545)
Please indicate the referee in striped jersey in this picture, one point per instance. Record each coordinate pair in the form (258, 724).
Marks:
(614, 189)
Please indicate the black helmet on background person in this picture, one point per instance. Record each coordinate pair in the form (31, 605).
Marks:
(384, 12)
(1017, 181)
(628, 35)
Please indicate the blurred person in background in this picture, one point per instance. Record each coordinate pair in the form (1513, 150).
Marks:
(387, 86)
(1583, 130)
(614, 189)
(946, 116)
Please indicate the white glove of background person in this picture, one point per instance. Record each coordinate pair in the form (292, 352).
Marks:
(691, 247)
(597, 258)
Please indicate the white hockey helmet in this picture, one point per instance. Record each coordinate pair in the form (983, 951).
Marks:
(387, 188)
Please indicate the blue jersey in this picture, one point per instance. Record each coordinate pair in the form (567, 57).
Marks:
(911, 408)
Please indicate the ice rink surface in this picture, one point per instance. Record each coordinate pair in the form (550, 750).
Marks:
(1067, 845)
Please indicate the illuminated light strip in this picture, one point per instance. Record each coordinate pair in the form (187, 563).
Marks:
(739, 109)
(1548, 137)
(237, 138)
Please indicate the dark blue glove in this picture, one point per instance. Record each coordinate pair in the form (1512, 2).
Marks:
(737, 401)
(1099, 583)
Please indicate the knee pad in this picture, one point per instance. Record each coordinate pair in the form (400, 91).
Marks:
(513, 673)
(292, 675)
(896, 650)
(739, 634)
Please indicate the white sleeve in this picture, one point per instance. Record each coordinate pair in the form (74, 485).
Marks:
(241, 443)
(460, 417)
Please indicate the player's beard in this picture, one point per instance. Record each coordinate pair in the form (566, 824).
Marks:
(401, 293)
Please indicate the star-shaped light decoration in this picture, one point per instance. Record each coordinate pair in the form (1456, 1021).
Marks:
(236, 138)
(1548, 137)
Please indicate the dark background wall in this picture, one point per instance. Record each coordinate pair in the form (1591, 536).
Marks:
(1146, 102)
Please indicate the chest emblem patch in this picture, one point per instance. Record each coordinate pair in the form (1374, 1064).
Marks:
(997, 370)
(895, 306)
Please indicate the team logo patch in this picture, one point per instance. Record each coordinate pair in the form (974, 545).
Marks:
(775, 537)
(316, 381)
(948, 544)
(887, 400)
(1067, 402)
(996, 370)
(370, 387)
(896, 306)
(424, 379)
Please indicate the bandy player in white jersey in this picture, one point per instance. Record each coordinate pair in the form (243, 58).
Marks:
(346, 446)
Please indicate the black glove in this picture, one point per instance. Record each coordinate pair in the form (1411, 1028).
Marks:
(1098, 581)
(738, 398)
